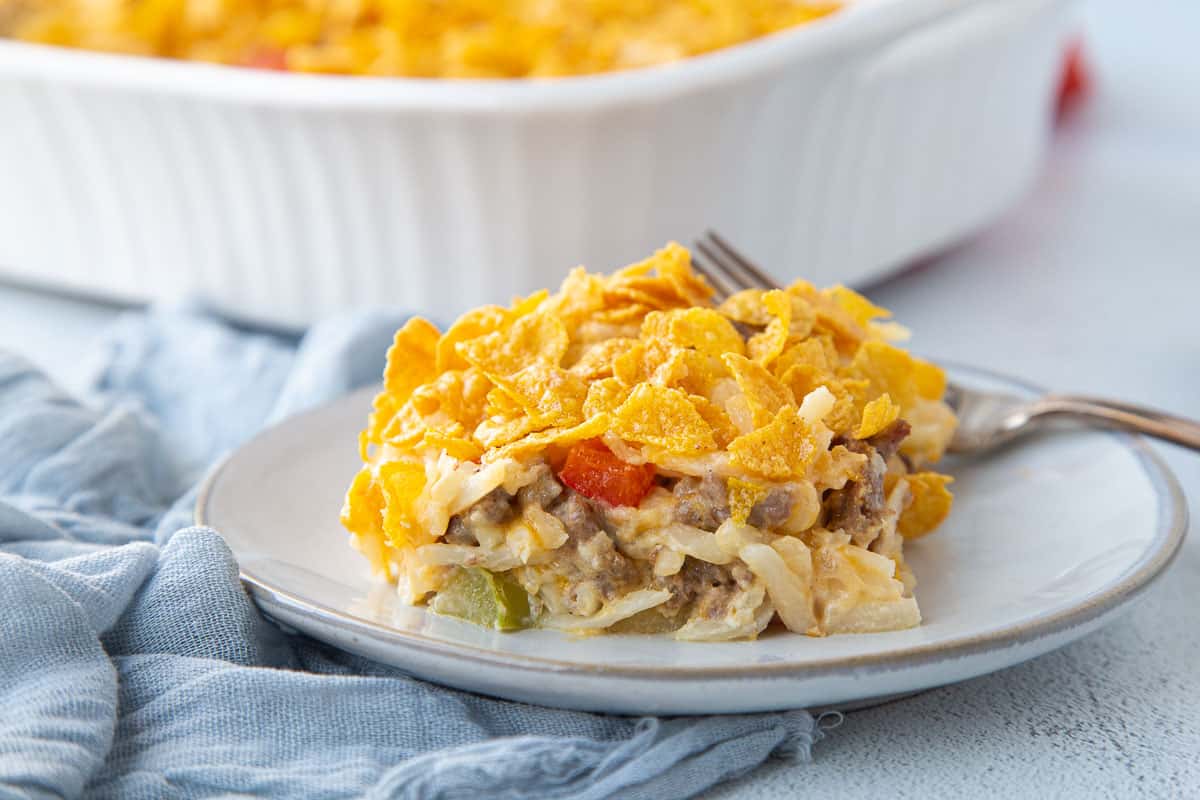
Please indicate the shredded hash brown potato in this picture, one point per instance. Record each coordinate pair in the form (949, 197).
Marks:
(630, 457)
(419, 38)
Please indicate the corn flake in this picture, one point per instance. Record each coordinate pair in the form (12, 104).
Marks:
(690, 286)
(548, 395)
(401, 483)
(363, 512)
(499, 430)
(411, 361)
(860, 309)
(691, 371)
(471, 325)
(762, 390)
(596, 360)
(803, 378)
(723, 429)
(638, 363)
(665, 418)
(646, 292)
(929, 379)
(454, 443)
(931, 502)
(605, 395)
(535, 443)
(533, 338)
(527, 305)
(622, 319)
(579, 298)
(877, 415)
(765, 347)
(782, 449)
(453, 397)
(838, 465)
(804, 317)
(888, 369)
(845, 333)
(362, 515)
(850, 398)
(701, 329)
(746, 307)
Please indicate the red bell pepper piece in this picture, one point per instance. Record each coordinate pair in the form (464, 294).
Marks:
(592, 470)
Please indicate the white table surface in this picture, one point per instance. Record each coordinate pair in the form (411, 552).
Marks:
(1093, 284)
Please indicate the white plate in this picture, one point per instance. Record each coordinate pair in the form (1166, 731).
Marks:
(1047, 541)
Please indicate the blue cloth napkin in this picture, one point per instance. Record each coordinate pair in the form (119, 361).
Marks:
(133, 664)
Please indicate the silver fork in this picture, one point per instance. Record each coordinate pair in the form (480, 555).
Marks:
(985, 419)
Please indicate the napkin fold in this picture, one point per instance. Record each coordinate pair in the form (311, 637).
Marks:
(133, 664)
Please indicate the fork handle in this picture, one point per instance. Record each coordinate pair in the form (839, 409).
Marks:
(1123, 416)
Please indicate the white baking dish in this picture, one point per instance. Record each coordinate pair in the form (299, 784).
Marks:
(835, 150)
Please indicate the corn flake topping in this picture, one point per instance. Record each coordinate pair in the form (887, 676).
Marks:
(420, 38)
(644, 359)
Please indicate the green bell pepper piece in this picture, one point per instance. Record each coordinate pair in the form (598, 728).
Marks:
(485, 598)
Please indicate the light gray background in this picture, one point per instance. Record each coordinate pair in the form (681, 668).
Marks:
(1093, 284)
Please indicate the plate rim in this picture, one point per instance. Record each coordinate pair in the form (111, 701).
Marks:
(1171, 527)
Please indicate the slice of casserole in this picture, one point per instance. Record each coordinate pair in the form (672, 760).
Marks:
(625, 456)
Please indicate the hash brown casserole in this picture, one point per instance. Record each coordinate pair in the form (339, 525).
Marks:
(624, 456)
(415, 38)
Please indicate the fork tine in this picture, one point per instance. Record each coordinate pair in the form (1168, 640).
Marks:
(721, 288)
(757, 277)
(717, 269)
(725, 268)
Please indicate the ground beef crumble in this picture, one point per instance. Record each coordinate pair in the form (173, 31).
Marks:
(858, 507)
(704, 590)
(495, 508)
(593, 564)
(772, 511)
(701, 502)
(704, 503)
